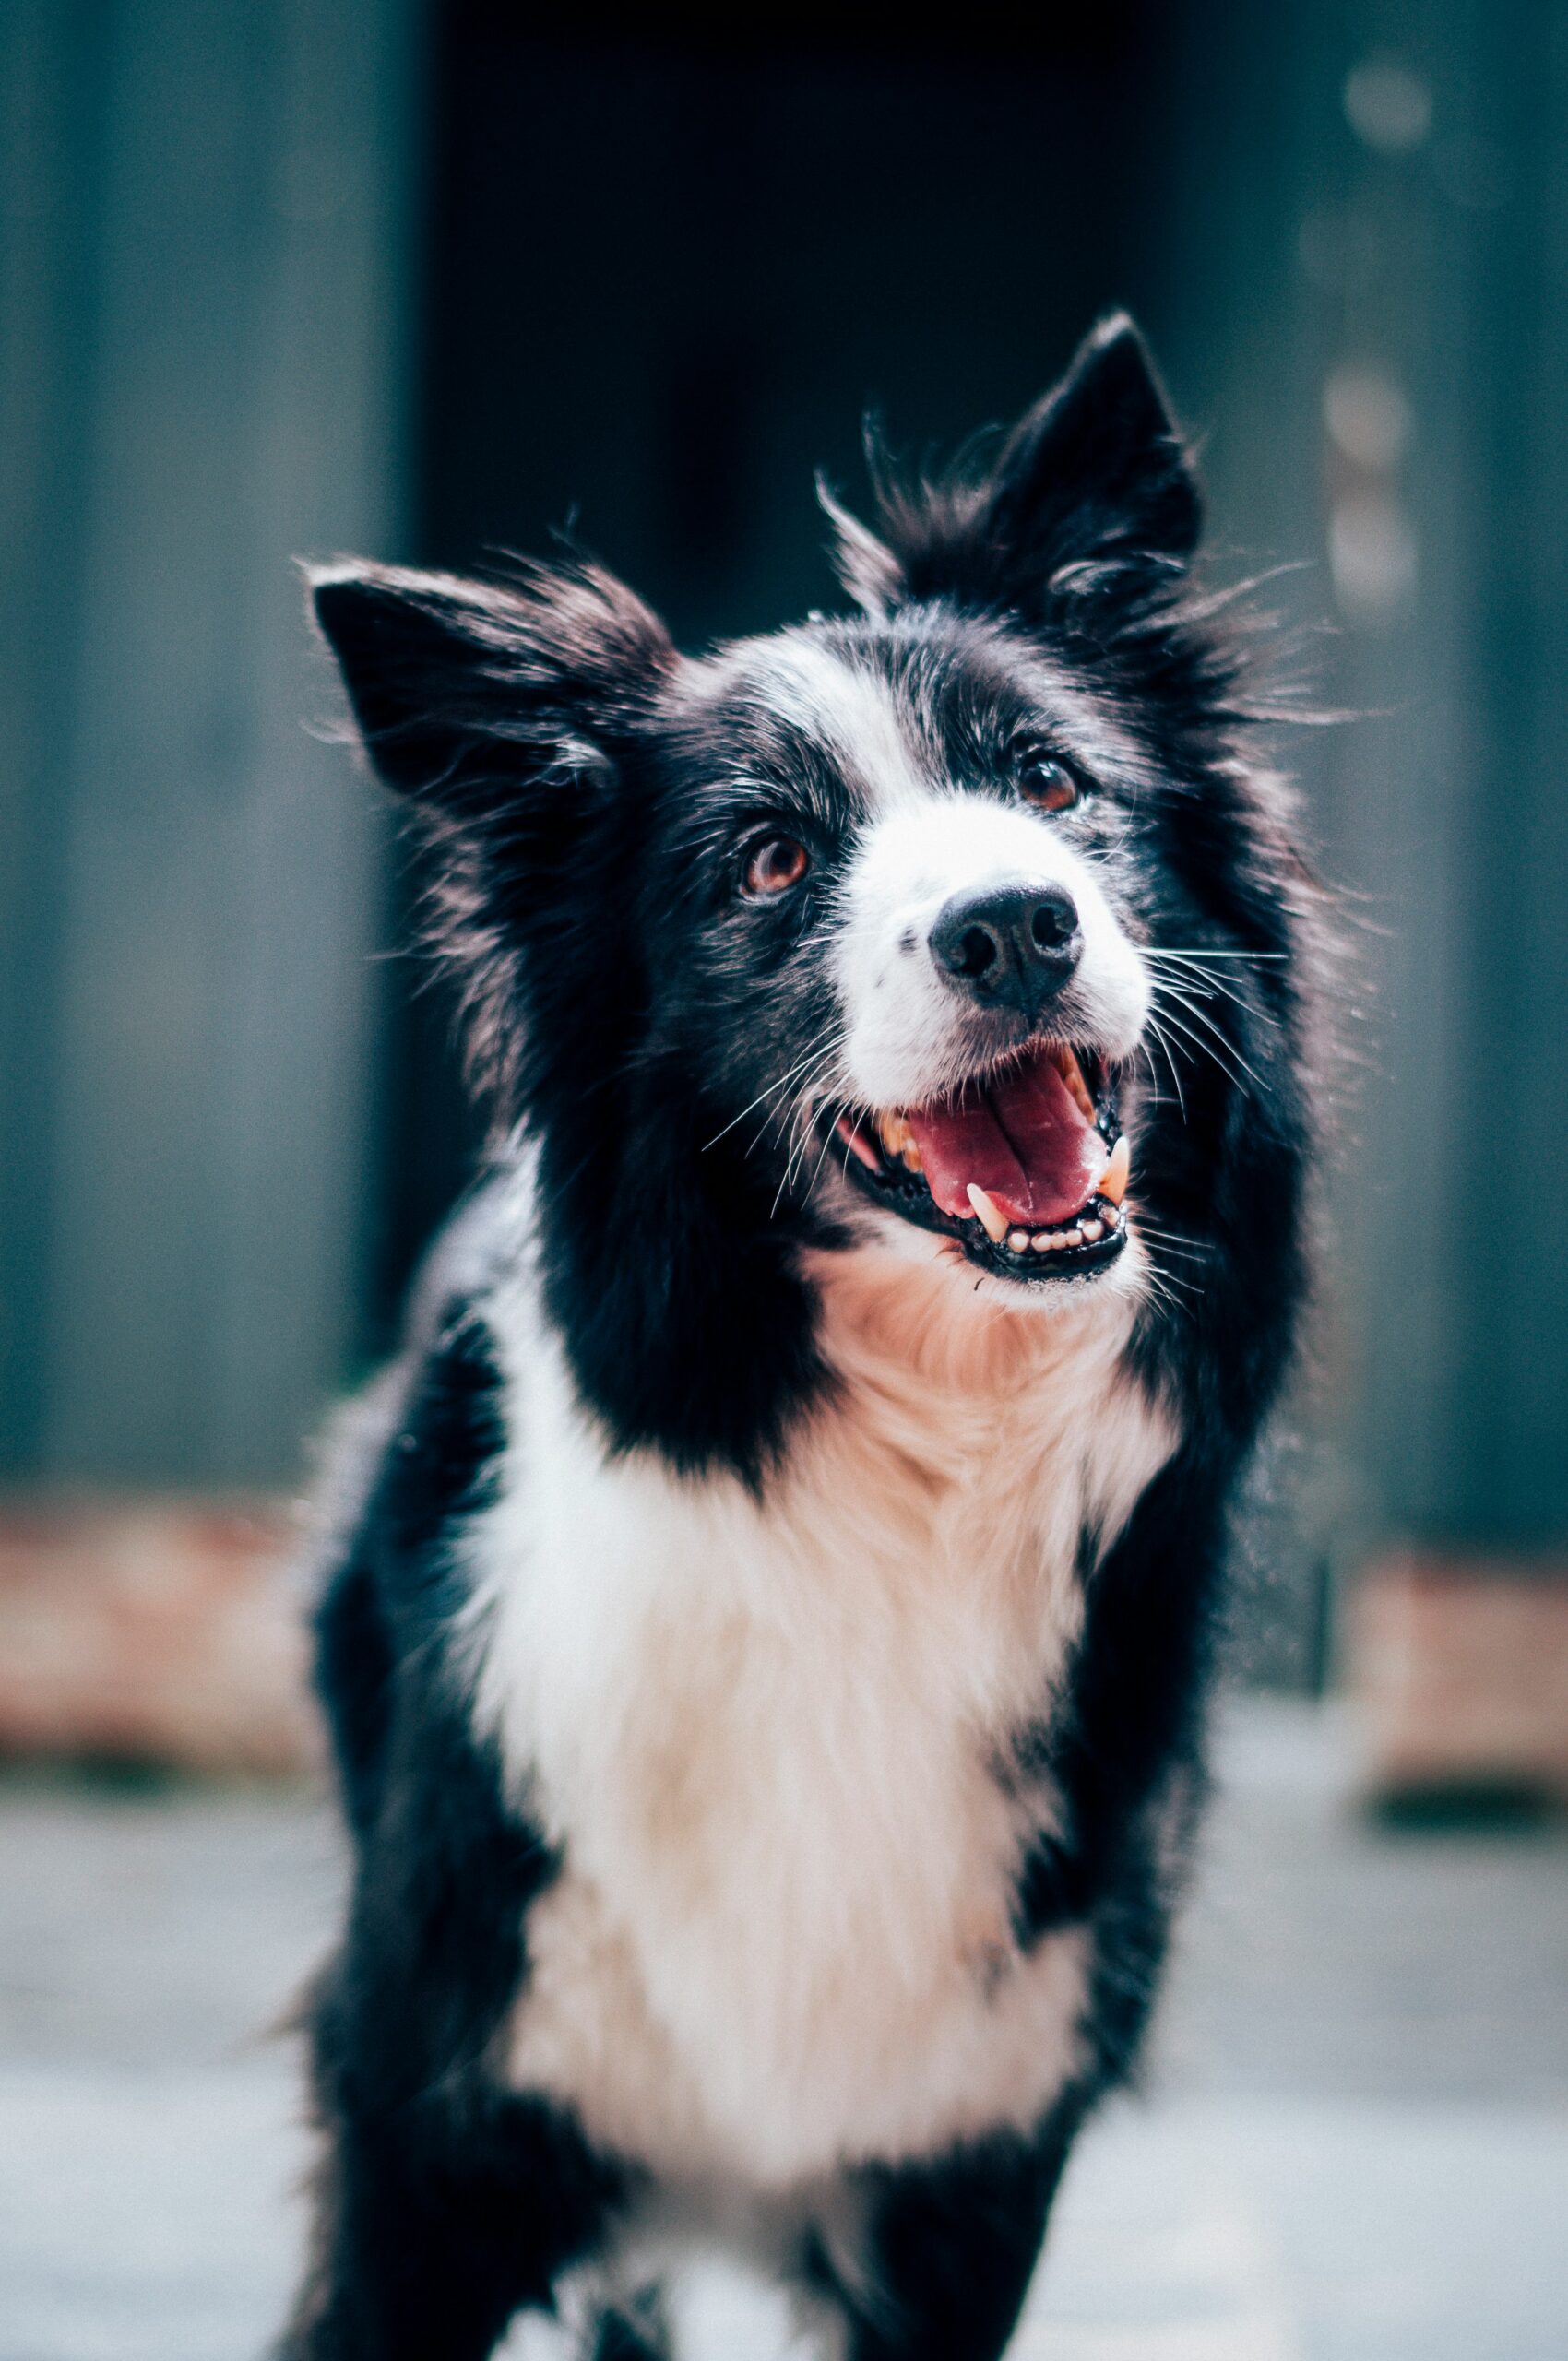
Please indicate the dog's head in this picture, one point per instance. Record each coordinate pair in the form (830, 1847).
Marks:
(951, 928)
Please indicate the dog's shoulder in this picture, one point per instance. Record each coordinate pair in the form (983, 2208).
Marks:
(406, 1463)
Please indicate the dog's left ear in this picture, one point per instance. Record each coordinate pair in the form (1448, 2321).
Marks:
(1093, 490)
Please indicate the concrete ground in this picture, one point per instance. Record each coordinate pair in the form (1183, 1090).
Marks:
(1353, 2145)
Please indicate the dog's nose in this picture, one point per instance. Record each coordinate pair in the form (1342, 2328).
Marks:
(1011, 949)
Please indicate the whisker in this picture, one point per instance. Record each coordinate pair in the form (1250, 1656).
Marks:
(826, 1055)
(1198, 1048)
(1187, 1254)
(1165, 1045)
(1161, 1285)
(1200, 1016)
(1207, 1048)
(1260, 958)
(797, 1152)
(1218, 984)
(803, 1110)
(830, 1134)
(784, 1118)
(1157, 1096)
(813, 1050)
(1182, 1236)
(1208, 986)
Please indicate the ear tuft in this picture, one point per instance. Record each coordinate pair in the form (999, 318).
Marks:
(1092, 495)
(866, 566)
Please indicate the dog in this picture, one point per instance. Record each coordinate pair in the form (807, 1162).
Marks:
(766, 1610)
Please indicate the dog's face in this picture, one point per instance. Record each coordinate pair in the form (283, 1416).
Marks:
(879, 930)
(897, 934)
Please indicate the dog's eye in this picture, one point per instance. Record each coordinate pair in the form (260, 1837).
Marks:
(1047, 783)
(773, 865)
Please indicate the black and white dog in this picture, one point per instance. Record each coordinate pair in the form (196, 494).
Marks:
(768, 1609)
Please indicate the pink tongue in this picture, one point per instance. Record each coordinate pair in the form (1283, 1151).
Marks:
(1024, 1139)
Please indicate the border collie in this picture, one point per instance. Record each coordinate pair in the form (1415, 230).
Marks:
(767, 1607)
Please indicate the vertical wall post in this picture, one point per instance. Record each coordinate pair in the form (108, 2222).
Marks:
(208, 233)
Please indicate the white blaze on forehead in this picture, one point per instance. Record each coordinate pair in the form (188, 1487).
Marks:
(925, 840)
(851, 714)
(906, 1041)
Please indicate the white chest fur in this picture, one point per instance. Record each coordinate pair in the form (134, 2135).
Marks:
(767, 1737)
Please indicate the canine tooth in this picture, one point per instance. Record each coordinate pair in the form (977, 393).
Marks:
(912, 1158)
(863, 1148)
(1092, 1231)
(995, 1223)
(896, 1134)
(1113, 1181)
(1017, 1241)
(1073, 1075)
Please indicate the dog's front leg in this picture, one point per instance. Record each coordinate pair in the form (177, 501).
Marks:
(948, 2249)
(434, 2230)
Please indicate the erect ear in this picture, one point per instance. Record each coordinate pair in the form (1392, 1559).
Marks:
(1098, 469)
(461, 688)
(1093, 486)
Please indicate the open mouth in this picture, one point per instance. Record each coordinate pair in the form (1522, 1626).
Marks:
(1024, 1166)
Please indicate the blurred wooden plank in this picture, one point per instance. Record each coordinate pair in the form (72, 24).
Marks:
(164, 1632)
(1458, 1669)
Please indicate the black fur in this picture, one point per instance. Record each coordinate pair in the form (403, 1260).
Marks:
(625, 1010)
(425, 2247)
(952, 2245)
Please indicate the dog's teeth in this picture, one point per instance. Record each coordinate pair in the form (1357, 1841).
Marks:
(1057, 1239)
(1113, 1216)
(1073, 1075)
(1113, 1184)
(1092, 1231)
(1073, 1237)
(861, 1148)
(1041, 1241)
(993, 1223)
(899, 1140)
(1017, 1241)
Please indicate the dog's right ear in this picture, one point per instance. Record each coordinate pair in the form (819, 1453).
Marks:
(464, 689)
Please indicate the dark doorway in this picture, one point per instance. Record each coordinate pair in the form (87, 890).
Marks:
(666, 279)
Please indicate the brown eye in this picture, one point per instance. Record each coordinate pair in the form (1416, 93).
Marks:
(774, 865)
(1047, 784)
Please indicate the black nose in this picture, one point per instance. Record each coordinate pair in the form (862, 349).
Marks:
(1014, 949)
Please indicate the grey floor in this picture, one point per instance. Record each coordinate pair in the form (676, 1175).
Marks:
(1353, 2145)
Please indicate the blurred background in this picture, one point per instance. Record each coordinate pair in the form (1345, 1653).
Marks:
(421, 279)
